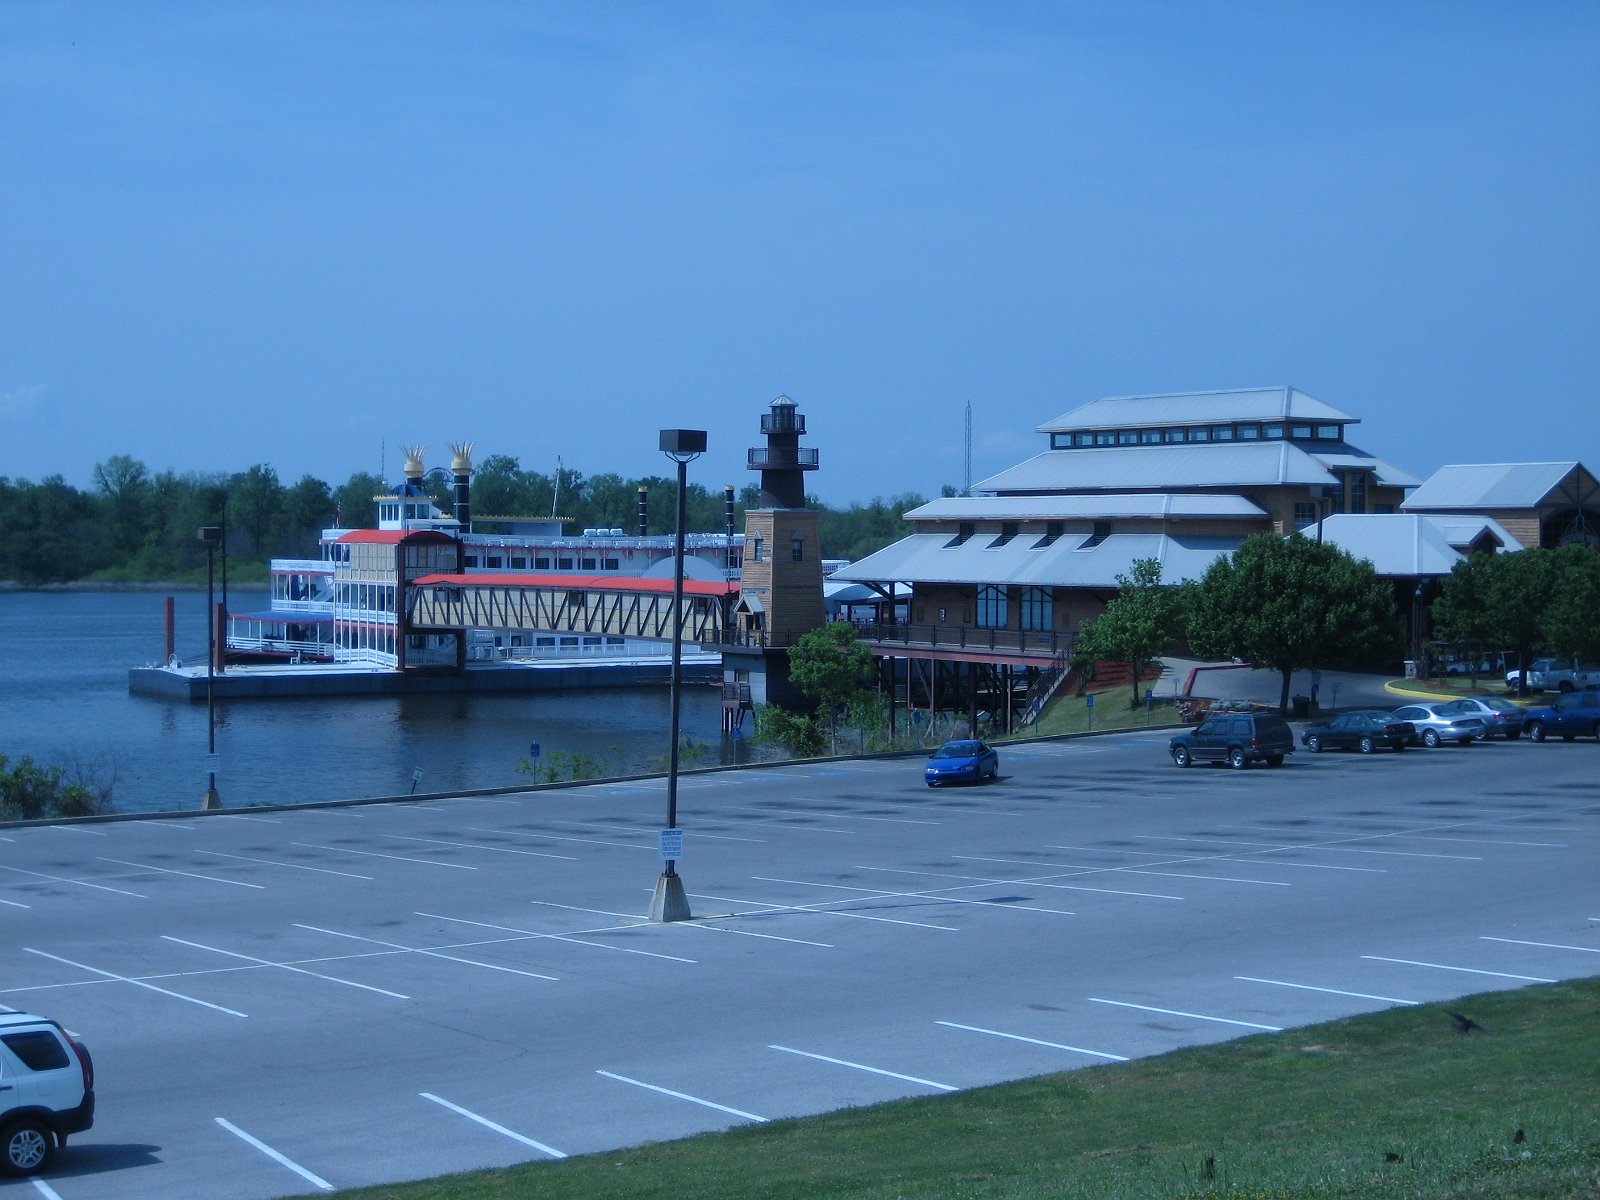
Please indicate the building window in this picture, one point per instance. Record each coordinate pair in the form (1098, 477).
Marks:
(1008, 530)
(1060, 441)
(588, 564)
(564, 564)
(471, 560)
(1222, 433)
(1038, 609)
(1150, 437)
(1336, 494)
(964, 530)
(611, 564)
(1272, 431)
(1329, 433)
(1083, 439)
(519, 562)
(992, 607)
(494, 562)
(1174, 435)
(1199, 433)
(1358, 491)
(1128, 437)
(758, 547)
(541, 562)
(1305, 514)
(1105, 439)
(1299, 431)
(797, 548)
(1102, 530)
(1052, 531)
(1248, 433)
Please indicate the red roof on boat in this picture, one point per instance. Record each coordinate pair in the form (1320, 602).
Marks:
(393, 537)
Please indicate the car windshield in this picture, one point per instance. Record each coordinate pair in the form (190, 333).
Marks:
(1498, 705)
(957, 750)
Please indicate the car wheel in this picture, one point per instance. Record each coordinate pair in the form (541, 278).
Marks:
(29, 1147)
(1274, 760)
(1314, 744)
(1237, 760)
(1430, 739)
(1180, 755)
(1367, 744)
(1536, 731)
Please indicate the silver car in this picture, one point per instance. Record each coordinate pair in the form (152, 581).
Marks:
(1434, 725)
(1500, 717)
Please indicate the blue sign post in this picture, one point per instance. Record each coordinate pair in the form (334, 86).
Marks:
(1088, 704)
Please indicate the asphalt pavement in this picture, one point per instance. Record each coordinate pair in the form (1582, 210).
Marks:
(288, 1001)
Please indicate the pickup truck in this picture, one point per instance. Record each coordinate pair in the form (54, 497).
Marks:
(1556, 674)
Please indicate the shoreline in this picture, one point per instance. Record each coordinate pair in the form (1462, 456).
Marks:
(89, 585)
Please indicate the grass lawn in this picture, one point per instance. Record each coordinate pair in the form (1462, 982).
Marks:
(1391, 1106)
(1069, 714)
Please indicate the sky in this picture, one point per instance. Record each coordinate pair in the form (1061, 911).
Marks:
(305, 234)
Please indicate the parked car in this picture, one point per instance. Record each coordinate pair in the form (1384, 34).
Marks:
(1556, 675)
(1364, 730)
(46, 1091)
(1576, 714)
(1237, 739)
(1500, 717)
(1434, 725)
(968, 761)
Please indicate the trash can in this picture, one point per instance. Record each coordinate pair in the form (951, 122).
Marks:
(1302, 707)
(1411, 668)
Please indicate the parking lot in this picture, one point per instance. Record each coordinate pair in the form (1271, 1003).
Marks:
(284, 1002)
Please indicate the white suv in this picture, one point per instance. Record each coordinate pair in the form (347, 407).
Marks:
(46, 1090)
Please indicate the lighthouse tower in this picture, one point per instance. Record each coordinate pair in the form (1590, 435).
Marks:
(780, 594)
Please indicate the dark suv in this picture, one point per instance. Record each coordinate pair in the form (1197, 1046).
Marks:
(1576, 714)
(1237, 739)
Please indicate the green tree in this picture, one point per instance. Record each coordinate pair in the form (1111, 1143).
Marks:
(1461, 611)
(255, 507)
(352, 502)
(1518, 588)
(1139, 623)
(834, 671)
(1570, 623)
(1289, 603)
(125, 484)
(307, 510)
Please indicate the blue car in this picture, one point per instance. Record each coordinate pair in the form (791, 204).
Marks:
(968, 761)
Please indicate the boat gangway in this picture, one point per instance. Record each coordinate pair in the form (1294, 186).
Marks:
(613, 605)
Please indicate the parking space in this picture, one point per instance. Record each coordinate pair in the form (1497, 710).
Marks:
(280, 1001)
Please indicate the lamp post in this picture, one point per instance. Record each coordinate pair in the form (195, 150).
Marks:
(211, 535)
(669, 903)
(1416, 629)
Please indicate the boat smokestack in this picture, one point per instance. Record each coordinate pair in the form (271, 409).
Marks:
(644, 511)
(727, 520)
(414, 469)
(461, 469)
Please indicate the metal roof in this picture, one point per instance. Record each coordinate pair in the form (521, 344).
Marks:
(1490, 485)
(1194, 408)
(1404, 544)
(1137, 504)
(1067, 562)
(1118, 468)
(1352, 459)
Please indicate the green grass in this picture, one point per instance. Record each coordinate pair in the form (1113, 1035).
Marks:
(1069, 714)
(1389, 1106)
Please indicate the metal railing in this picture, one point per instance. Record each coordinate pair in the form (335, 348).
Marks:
(1045, 643)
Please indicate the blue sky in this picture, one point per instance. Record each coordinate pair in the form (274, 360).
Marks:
(304, 234)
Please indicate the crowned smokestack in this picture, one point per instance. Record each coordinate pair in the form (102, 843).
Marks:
(461, 469)
(644, 511)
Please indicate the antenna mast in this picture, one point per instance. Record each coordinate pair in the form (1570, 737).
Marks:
(555, 495)
(966, 482)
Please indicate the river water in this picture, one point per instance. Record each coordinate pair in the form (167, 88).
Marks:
(64, 701)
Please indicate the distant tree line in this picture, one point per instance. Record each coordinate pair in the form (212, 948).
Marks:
(135, 525)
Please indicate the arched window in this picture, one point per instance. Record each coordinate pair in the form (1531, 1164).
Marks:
(992, 612)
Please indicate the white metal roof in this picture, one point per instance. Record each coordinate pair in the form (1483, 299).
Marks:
(929, 558)
(1171, 468)
(1489, 485)
(1404, 544)
(1386, 474)
(1137, 504)
(1192, 408)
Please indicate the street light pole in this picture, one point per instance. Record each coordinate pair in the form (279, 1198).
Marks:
(670, 903)
(211, 535)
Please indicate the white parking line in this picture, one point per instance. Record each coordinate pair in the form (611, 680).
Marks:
(15, 904)
(535, 935)
(1017, 1037)
(314, 1180)
(1046, 880)
(77, 829)
(1483, 841)
(272, 862)
(429, 953)
(819, 909)
(263, 962)
(1411, 962)
(430, 862)
(556, 837)
(841, 1062)
(480, 846)
(100, 887)
(1276, 847)
(737, 1112)
(1544, 945)
(1306, 987)
(711, 927)
(122, 862)
(1173, 1012)
(873, 893)
(44, 1189)
(488, 1124)
(136, 982)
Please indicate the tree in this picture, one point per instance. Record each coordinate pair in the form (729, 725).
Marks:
(1461, 612)
(1518, 587)
(1138, 624)
(1570, 622)
(352, 503)
(834, 670)
(1291, 603)
(255, 506)
(125, 484)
